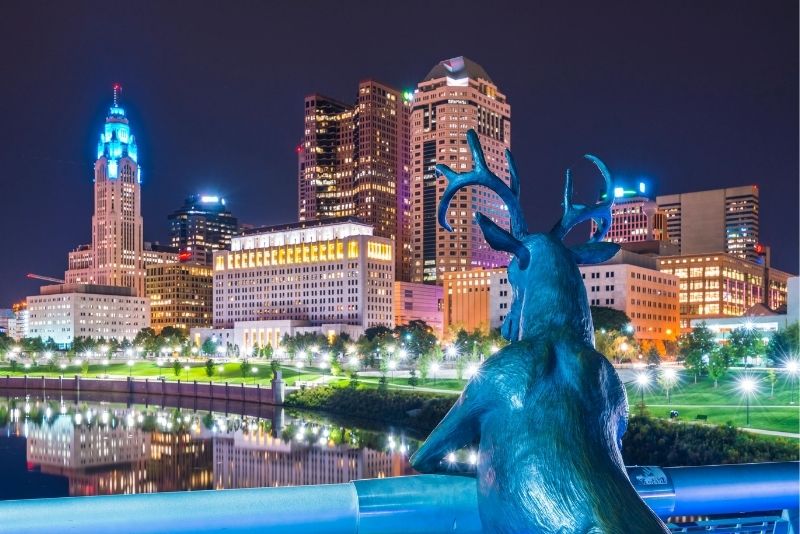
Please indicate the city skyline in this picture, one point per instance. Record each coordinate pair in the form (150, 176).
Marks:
(231, 129)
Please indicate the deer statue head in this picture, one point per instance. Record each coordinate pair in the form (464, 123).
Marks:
(543, 269)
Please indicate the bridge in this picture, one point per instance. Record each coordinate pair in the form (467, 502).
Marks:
(743, 499)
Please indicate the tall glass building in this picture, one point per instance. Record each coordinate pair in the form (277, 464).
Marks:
(202, 225)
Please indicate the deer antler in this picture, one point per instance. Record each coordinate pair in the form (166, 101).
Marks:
(481, 175)
(575, 214)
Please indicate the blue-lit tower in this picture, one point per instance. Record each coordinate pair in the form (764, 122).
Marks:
(117, 237)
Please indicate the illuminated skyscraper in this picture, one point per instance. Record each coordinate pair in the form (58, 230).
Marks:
(354, 161)
(115, 256)
(720, 220)
(202, 225)
(455, 96)
(634, 217)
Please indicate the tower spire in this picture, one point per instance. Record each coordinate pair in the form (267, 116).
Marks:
(117, 90)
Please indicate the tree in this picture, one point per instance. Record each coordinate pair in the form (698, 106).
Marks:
(743, 343)
(772, 378)
(718, 364)
(609, 319)
(210, 368)
(653, 357)
(784, 345)
(417, 337)
(412, 378)
(696, 347)
(209, 348)
(243, 368)
(267, 351)
(176, 367)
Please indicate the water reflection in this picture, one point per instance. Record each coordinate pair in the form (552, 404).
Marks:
(105, 448)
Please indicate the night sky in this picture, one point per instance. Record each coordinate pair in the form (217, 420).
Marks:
(691, 95)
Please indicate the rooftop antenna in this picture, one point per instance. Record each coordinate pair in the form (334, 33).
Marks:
(117, 90)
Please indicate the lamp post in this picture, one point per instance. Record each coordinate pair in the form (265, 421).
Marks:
(130, 368)
(186, 368)
(748, 387)
(392, 367)
(792, 368)
(642, 380)
(669, 376)
(254, 370)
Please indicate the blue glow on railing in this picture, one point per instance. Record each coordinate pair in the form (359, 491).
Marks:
(428, 504)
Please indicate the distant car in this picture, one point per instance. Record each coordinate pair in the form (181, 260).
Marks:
(653, 365)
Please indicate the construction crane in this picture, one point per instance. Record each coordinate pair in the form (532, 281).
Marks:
(45, 278)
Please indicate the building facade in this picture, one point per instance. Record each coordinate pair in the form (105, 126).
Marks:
(317, 272)
(202, 225)
(354, 162)
(180, 295)
(115, 256)
(719, 220)
(478, 299)
(634, 217)
(455, 96)
(632, 284)
(67, 311)
(720, 285)
(418, 302)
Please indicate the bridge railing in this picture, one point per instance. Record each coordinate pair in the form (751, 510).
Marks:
(427, 504)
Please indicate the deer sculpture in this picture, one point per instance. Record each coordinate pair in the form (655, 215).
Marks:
(547, 411)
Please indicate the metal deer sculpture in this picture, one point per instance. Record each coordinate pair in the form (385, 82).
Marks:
(547, 411)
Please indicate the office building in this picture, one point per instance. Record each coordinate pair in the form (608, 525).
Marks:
(720, 285)
(455, 96)
(329, 276)
(632, 283)
(202, 225)
(709, 222)
(418, 302)
(354, 162)
(64, 312)
(478, 299)
(180, 295)
(635, 218)
(115, 255)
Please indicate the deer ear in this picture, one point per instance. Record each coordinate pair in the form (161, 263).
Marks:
(591, 253)
(500, 239)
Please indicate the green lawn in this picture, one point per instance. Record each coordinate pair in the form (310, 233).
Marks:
(726, 402)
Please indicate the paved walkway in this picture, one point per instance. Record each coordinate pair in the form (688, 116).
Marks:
(771, 432)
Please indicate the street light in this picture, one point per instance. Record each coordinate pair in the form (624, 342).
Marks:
(452, 351)
(392, 366)
(792, 367)
(472, 370)
(642, 380)
(747, 386)
(130, 367)
(186, 368)
(669, 376)
(254, 370)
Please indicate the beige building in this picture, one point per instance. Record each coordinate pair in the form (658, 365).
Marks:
(723, 285)
(354, 162)
(455, 96)
(180, 295)
(719, 220)
(418, 302)
(315, 273)
(478, 299)
(632, 284)
(115, 255)
(67, 311)
(634, 218)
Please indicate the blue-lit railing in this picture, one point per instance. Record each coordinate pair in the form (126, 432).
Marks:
(404, 505)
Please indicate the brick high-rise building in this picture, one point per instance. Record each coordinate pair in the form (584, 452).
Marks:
(455, 96)
(354, 162)
(720, 220)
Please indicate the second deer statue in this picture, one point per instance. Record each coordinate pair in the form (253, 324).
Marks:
(547, 411)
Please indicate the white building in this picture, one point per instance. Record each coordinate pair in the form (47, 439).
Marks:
(66, 311)
(326, 276)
